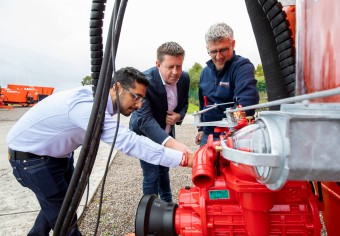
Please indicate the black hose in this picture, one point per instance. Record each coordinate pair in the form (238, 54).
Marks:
(114, 30)
(115, 36)
(96, 39)
(90, 144)
(276, 47)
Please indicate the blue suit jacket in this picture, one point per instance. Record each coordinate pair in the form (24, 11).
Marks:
(150, 119)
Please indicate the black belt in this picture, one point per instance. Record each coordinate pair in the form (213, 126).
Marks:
(17, 155)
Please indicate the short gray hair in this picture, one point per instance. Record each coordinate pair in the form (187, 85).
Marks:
(169, 48)
(218, 31)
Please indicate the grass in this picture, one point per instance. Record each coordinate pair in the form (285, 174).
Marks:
(192, 108)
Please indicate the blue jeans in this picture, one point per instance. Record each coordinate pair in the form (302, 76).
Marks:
(156, 180)
(49, 179)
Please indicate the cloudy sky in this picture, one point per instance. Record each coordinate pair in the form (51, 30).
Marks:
(46, 43)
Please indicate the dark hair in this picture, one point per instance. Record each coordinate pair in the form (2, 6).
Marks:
(127, 76)
(169, 48)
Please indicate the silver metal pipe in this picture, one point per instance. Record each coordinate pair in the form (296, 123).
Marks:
(325, 93)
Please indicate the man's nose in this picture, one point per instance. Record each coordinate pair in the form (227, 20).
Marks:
(138, 105)
(176, 70)
(219, 55)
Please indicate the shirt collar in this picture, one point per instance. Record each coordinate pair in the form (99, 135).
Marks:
(109, 106)
(165, 84)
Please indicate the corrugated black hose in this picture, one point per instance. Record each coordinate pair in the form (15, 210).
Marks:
(276, 47)
(92, 137)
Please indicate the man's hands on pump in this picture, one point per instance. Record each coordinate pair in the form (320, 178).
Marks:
(188, 158)
(188, 154)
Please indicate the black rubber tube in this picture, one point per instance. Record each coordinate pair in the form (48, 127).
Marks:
(273, 37)
(92, 137)
(96, 39)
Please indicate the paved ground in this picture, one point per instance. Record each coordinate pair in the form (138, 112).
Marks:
(19, 207)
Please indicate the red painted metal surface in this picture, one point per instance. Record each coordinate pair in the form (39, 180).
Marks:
(319, 34)
(23, 94)
(319, 69)
(234, 203)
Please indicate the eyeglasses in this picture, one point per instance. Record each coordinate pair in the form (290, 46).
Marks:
(137, 98)
(222, 51)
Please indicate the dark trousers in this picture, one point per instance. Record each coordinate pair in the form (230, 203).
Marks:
(48, 178)
(156, 180)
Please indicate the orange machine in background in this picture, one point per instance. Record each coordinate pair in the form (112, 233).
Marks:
(24, 95)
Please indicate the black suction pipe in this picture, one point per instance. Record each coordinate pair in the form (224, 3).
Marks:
(92, 137)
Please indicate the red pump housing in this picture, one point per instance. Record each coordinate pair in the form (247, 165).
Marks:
(226, 200)
(233, 203)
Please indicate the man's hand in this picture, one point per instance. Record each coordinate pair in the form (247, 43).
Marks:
(172, 118)
(176, 145)
(191, 156)
(198, 137)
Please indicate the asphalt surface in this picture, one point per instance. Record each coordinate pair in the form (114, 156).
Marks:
(19, 207)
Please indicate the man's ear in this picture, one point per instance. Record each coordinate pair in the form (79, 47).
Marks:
(158, 64)
(233, 43)
(120, 88)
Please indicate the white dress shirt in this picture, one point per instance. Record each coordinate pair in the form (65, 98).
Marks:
(56, 126)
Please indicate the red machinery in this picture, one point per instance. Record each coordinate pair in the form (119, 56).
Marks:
(230, 202)
(272, 177)
(227, 198)
(23, 94)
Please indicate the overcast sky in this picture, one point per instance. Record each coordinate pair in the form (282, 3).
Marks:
(46, 43)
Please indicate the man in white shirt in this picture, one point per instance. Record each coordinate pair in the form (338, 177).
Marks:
(42, 142)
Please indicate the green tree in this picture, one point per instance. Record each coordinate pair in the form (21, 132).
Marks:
(259, 75)
(194, 73)
(86, 80)
(259, 71)
(261, 83)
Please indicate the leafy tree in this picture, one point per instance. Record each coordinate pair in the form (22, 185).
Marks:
(259, 76)
(259, 71)
(261, 84)
(86, 80)
(194, 73)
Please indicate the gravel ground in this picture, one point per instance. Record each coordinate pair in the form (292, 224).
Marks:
(123, 190)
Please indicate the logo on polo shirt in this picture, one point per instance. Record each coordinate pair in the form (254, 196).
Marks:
(224, 84)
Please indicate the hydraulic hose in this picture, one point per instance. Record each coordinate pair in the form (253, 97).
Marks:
(96, 40)
(276, 47)
(92, 137)
(118, 16)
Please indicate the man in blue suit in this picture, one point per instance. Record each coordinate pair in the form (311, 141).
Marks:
(164, 106)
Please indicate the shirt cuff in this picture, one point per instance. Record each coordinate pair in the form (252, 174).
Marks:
(166, 140)
(172, 158)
